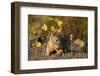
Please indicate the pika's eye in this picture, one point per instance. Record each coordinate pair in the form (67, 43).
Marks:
(56, 40)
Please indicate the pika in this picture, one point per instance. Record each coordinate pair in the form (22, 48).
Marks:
(53, 44)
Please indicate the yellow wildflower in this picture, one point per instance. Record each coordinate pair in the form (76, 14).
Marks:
(37, 44)
(60, 52)
(34, 31)
(44, 27)
(82, 43)
(59, 23)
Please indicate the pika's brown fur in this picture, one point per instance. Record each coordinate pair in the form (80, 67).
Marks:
(53, 44)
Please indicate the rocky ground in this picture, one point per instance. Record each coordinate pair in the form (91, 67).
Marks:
(40, 54)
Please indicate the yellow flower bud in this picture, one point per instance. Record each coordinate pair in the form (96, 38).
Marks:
(44, 27)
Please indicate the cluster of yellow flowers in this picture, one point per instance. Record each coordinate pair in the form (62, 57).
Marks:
(44, 27)
(36, 44)
(53, 29)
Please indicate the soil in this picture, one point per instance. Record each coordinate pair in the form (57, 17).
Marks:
(40, 54)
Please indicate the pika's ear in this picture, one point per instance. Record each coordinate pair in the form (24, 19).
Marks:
(51, 36)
